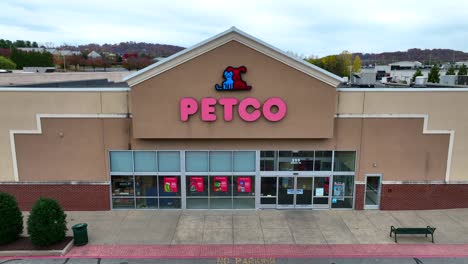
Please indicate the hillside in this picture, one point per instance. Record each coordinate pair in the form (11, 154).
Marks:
(426, 56)
(153, 50)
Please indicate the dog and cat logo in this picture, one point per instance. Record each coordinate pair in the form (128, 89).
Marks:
(233, 80)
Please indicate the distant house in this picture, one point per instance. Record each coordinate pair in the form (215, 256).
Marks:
(66, 52)
(32, 49)
(94, 55)
(109, 55)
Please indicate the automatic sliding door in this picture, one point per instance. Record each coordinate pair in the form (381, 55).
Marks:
(286, 192)
(304, 192)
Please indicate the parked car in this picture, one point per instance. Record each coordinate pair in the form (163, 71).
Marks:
(5, 71)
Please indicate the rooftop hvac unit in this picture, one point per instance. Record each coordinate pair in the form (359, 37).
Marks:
(420, 80)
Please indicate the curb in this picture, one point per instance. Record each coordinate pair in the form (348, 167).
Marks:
(141, 251)
(29, 253)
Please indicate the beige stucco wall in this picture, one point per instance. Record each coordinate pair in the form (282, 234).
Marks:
(18, 112)
(156, 101)
(446, 111)
(70, 149)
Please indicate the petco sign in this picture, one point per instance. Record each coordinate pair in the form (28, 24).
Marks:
(249, 109)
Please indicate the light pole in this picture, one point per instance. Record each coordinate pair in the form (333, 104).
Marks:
(64, 65)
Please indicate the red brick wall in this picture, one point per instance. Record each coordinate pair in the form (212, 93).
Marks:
(424, 196)
(359, 197)
(72, 197)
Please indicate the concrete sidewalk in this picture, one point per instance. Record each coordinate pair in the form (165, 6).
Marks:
(268, 226)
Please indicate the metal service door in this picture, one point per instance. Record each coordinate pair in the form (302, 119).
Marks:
(372, 192)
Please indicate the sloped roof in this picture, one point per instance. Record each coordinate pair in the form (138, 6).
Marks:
(232, 34)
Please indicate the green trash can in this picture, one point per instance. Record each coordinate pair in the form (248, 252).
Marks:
(80, 234)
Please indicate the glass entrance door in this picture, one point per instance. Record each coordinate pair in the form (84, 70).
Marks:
(372, 193)
(286, 191)
(304, 192)
(321, 194)
(295, 192)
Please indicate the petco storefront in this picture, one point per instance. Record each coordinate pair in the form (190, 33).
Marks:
(234, 123)
(225, 126)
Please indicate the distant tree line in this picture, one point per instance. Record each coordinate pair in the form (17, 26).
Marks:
(6, 44)
(31, 59)
(342, 64)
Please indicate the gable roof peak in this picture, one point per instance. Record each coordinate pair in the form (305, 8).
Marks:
(222, 38)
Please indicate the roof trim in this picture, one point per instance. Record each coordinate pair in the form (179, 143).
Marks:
(57, 89)
(449, 89)
(232, 34)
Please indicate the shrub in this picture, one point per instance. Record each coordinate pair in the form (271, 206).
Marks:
(6, 64)
(11, 219)
(47, 223)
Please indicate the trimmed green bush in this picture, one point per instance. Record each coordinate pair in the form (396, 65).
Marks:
(11, 219)
(6, 64)
(47, 223)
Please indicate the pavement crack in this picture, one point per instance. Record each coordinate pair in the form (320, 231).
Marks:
(261, 227)
(9, 260)
(175, 230)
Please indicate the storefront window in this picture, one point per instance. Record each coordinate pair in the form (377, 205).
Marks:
(169, 161)
(345, 161)
(244, 186)
(244, 203)
(342, 191)
(146, 203)
(146, 186)
(123, 203)
(323, 161)
(268, 160)
(145, 161)
(197, 203)
(121, 161)
(221, 185)
(221, 161)
(152, 179)
(244, 161)
(268, 187)
(221, 192)
(196, 161)
(122, 186)
(296, 161)
(197, 186)
(169, 185)
(342, 203)
(169, 203)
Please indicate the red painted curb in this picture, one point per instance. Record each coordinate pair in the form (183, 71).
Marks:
(265, 251)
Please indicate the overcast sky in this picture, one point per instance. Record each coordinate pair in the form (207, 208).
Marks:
(306, 27)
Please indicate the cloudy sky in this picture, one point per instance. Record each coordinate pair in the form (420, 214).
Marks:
(305, 27)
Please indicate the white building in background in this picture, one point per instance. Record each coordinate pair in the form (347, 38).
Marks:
(31, 49)
(460, 63)
(405, 65)
(401, 72)
(94, 55)
(60, 52)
